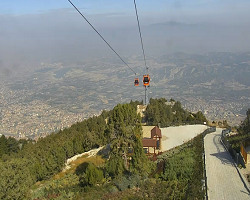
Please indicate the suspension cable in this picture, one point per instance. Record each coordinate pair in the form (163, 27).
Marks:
(101, 36)
(140, 36)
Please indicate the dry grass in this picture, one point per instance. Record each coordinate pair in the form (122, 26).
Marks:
(96, 160)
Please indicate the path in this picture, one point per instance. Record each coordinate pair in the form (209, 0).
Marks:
(90, 153)
(223, 179)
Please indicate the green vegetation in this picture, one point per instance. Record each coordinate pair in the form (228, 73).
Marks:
(165, 113)
(93, 175)
(34, 171)
(185, 171)
(244, 128)
(243, 133)
(126, 133)
(181, 178)
(135, 103)
(41, 160)
(10, 145)
(235, 140)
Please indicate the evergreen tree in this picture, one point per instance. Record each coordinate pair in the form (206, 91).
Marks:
(159, 111)
(126, 132)
(244, 128)
(199, 117)
(15, 179)
(93, 175)
(3, 145)
(12, 144)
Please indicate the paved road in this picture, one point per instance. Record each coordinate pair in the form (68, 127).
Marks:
(223, 179)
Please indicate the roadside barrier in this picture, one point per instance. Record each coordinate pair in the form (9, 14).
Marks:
(237, 157)
(207, 131)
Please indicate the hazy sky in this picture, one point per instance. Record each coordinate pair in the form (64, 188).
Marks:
(104, 6)
(147, 8)
(50, 29)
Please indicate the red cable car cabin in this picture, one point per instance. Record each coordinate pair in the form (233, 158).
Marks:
(136, 82)
(146, 80)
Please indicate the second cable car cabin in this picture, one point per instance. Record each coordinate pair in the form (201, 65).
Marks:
(136, 83)
(146, 80)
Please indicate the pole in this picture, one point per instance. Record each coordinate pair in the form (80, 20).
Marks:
(237, 159)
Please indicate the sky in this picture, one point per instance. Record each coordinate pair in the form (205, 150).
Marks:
(100, 6)
(51, 30)
(156, 8)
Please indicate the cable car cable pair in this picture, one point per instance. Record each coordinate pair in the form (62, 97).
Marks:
(101, 36)
(146, 79)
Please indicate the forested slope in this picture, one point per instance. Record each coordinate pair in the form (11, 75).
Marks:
(166, 113)
(38, 161)
(27, 167)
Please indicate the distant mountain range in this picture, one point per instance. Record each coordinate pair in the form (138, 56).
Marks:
(171, 23)
(227, 70)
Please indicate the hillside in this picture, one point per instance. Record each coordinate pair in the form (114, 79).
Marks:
(36, 169)
(223, 70)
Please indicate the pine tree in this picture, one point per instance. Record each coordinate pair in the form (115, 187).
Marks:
(93, 175)
(126, 131)
(3, 145)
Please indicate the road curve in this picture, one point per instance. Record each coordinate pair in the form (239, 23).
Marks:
(223, 179)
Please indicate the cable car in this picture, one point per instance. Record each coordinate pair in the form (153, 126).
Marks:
(136, 83)
(146, 80)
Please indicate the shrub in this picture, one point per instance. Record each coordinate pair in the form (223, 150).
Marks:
(113, 189)
(93, 175)
(122, 183)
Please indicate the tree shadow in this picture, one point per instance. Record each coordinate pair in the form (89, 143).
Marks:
(217, 143)
(227, 159)
(80, 169)
(224, 157)
(105, 152)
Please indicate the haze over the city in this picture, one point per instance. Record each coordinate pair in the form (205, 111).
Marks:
(52, 30)
(55, 70)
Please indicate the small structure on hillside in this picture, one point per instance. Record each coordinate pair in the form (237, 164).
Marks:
(147, 143)
(156, 133)
(152, 143)
(170, 103)
(141, 111)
